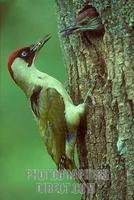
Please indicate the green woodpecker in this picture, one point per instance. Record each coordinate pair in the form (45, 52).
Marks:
(56, 115)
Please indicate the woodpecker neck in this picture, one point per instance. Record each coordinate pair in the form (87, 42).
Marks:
(28, 78)
(25, 77)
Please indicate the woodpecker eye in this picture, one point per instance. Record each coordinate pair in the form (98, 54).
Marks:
(24, 54)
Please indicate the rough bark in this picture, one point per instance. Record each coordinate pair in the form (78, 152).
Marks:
(106, 66)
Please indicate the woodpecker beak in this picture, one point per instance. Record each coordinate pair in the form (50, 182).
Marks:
(39, 44)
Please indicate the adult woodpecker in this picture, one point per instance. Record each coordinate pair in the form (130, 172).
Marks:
(88, 19)
(56, 115)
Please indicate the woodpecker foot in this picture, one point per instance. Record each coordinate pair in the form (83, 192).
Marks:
(89, 95)
(61, 165)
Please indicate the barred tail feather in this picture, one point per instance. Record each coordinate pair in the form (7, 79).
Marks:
(69, 165)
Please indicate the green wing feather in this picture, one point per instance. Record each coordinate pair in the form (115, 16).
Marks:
(55, 128)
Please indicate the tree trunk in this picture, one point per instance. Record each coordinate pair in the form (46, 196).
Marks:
(105, 65)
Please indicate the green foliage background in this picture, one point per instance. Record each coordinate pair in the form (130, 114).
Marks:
(22, 22)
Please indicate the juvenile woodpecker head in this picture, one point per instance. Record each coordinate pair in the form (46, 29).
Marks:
(22, 59)
(87, 19)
